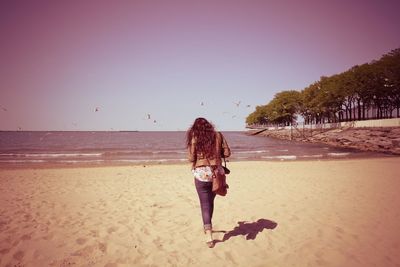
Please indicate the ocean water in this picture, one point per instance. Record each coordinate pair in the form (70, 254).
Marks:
(69, 148)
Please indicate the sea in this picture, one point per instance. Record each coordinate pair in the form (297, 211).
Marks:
(25, 148)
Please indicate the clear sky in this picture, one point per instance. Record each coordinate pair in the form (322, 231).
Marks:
(175, 60)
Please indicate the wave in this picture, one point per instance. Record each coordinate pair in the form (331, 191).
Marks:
(169, 152)
(148, 160)
(312, 156)
(78, 161)
(143, 152)
(23, 161)
(50, 155)
(338, 154)
(281, 157)
(251, 152)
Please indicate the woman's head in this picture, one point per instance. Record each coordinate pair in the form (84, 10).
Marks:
(201, 125)
(203, 132)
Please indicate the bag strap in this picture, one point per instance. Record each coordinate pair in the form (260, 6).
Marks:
(222, 140)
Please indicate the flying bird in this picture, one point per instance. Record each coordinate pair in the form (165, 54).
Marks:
(147, 116)
(3, 108)
(201, 103)
(96, 109)
(237, 104)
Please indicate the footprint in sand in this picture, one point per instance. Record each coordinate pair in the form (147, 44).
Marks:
(282, 249)
(4, 251)
(37, 255)
(112, 229)
(102, 247)
(48, 236)
(81, 241)
(18, 255)
(339, 230)
(94, 233)
(27, 218)
(26, 237)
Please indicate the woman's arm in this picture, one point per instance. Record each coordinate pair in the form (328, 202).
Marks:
(192, 152)
(225, 151)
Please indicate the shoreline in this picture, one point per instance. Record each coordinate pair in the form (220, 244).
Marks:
(78, 153)
(35, 166)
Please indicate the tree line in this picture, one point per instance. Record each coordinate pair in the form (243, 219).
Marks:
(367, 91)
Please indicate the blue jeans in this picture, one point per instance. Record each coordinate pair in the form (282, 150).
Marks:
(206, 197)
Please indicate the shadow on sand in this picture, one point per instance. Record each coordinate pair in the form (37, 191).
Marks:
(249, 229)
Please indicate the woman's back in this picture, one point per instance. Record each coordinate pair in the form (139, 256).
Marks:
(200, 157)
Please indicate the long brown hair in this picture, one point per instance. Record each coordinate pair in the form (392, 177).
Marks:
(205, 135)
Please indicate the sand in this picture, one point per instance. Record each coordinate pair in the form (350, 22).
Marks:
(310, 213)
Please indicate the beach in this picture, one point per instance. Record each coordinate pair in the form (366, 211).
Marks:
(292, 213)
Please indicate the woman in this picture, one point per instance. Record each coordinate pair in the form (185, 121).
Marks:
(206, 147)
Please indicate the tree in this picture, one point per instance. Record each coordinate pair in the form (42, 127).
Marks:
(389, 64)
(259, 116)
(350, 95)
(281, 110)
(287, 104)
(309, 107)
